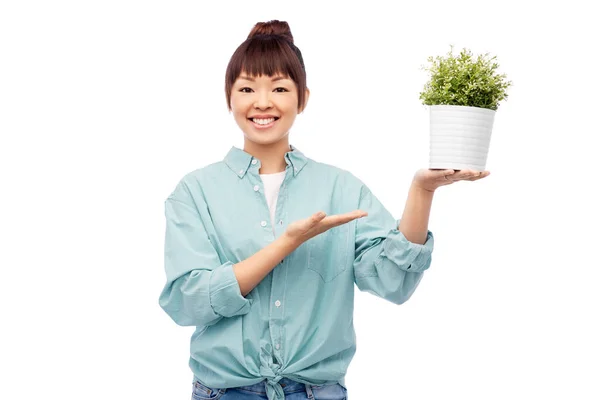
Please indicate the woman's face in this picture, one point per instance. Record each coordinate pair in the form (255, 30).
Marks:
(274, 99)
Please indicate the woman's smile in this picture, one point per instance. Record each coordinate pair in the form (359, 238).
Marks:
(263, 123)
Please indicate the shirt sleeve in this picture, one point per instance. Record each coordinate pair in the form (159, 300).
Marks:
(386, 264)
(200, 289)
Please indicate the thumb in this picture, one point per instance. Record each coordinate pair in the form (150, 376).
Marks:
(318, 216)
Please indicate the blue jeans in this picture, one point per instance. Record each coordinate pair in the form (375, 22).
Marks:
(293, 391)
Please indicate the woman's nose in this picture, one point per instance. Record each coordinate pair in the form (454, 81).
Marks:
(263, 100)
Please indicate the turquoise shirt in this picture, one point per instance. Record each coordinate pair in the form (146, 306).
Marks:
(298, 321)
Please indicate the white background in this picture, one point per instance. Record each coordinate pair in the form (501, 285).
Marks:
(104, 106)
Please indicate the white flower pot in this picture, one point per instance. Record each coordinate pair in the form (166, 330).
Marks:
(459, 136)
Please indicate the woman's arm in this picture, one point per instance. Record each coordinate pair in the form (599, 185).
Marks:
(253, 269)
(415, 218)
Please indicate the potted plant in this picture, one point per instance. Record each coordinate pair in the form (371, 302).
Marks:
(463, 96)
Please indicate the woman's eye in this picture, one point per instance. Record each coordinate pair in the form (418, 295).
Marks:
(243, 90)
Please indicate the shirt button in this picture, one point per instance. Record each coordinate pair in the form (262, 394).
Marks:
(256, 188)
(263, 223)
(241, 171)
(277, 303)
(280, 222)
(277, 346)
(253, 162)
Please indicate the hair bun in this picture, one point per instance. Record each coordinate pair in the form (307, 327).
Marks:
(273, 27)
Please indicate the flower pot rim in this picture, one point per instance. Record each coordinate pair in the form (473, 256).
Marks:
(484, 109)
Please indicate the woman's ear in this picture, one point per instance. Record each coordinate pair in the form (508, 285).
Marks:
(306, 96)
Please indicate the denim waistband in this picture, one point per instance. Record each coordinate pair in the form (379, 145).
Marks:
(287, 384)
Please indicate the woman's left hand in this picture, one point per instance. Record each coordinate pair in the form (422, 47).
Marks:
(431, 179)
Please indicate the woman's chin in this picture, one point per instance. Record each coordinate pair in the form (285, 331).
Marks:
(264, 137)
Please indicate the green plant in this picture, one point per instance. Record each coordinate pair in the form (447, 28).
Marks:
(463, 81)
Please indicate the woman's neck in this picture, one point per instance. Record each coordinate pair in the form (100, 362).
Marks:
(272, 157)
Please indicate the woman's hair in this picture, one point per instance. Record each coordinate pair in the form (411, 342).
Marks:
(268, 50)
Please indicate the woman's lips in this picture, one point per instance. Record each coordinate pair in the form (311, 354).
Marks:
(267, 126)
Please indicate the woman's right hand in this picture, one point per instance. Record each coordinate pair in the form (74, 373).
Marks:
(304, 229)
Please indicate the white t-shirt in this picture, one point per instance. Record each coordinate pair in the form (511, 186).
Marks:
(272, 183)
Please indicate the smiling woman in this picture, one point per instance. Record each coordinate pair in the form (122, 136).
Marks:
(266, 278)
(265, 109)
(262, 121)
(265, 87)
(274, 39)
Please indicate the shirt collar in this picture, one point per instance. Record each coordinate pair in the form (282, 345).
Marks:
(239, 161)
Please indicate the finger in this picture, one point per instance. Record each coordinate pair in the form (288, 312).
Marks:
(472, 175)
(352, 214)
(356, 215)
(445, 173)
(360, 213)
(318, 216)
(465, 175)
(336, 220)
(475, 175)
(458, 176)
(481, 176)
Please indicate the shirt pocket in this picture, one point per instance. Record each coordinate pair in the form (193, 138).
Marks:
(328, 252)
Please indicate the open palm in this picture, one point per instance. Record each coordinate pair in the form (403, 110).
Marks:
(431, 179)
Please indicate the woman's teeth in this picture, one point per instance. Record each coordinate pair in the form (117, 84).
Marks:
(263, 121)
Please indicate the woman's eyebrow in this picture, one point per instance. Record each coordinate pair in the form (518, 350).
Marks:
(248, 78)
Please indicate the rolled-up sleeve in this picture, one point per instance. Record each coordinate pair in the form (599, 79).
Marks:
(200, 288)
(386, 264)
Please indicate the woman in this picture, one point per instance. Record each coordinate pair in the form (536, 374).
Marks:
(266, 278)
